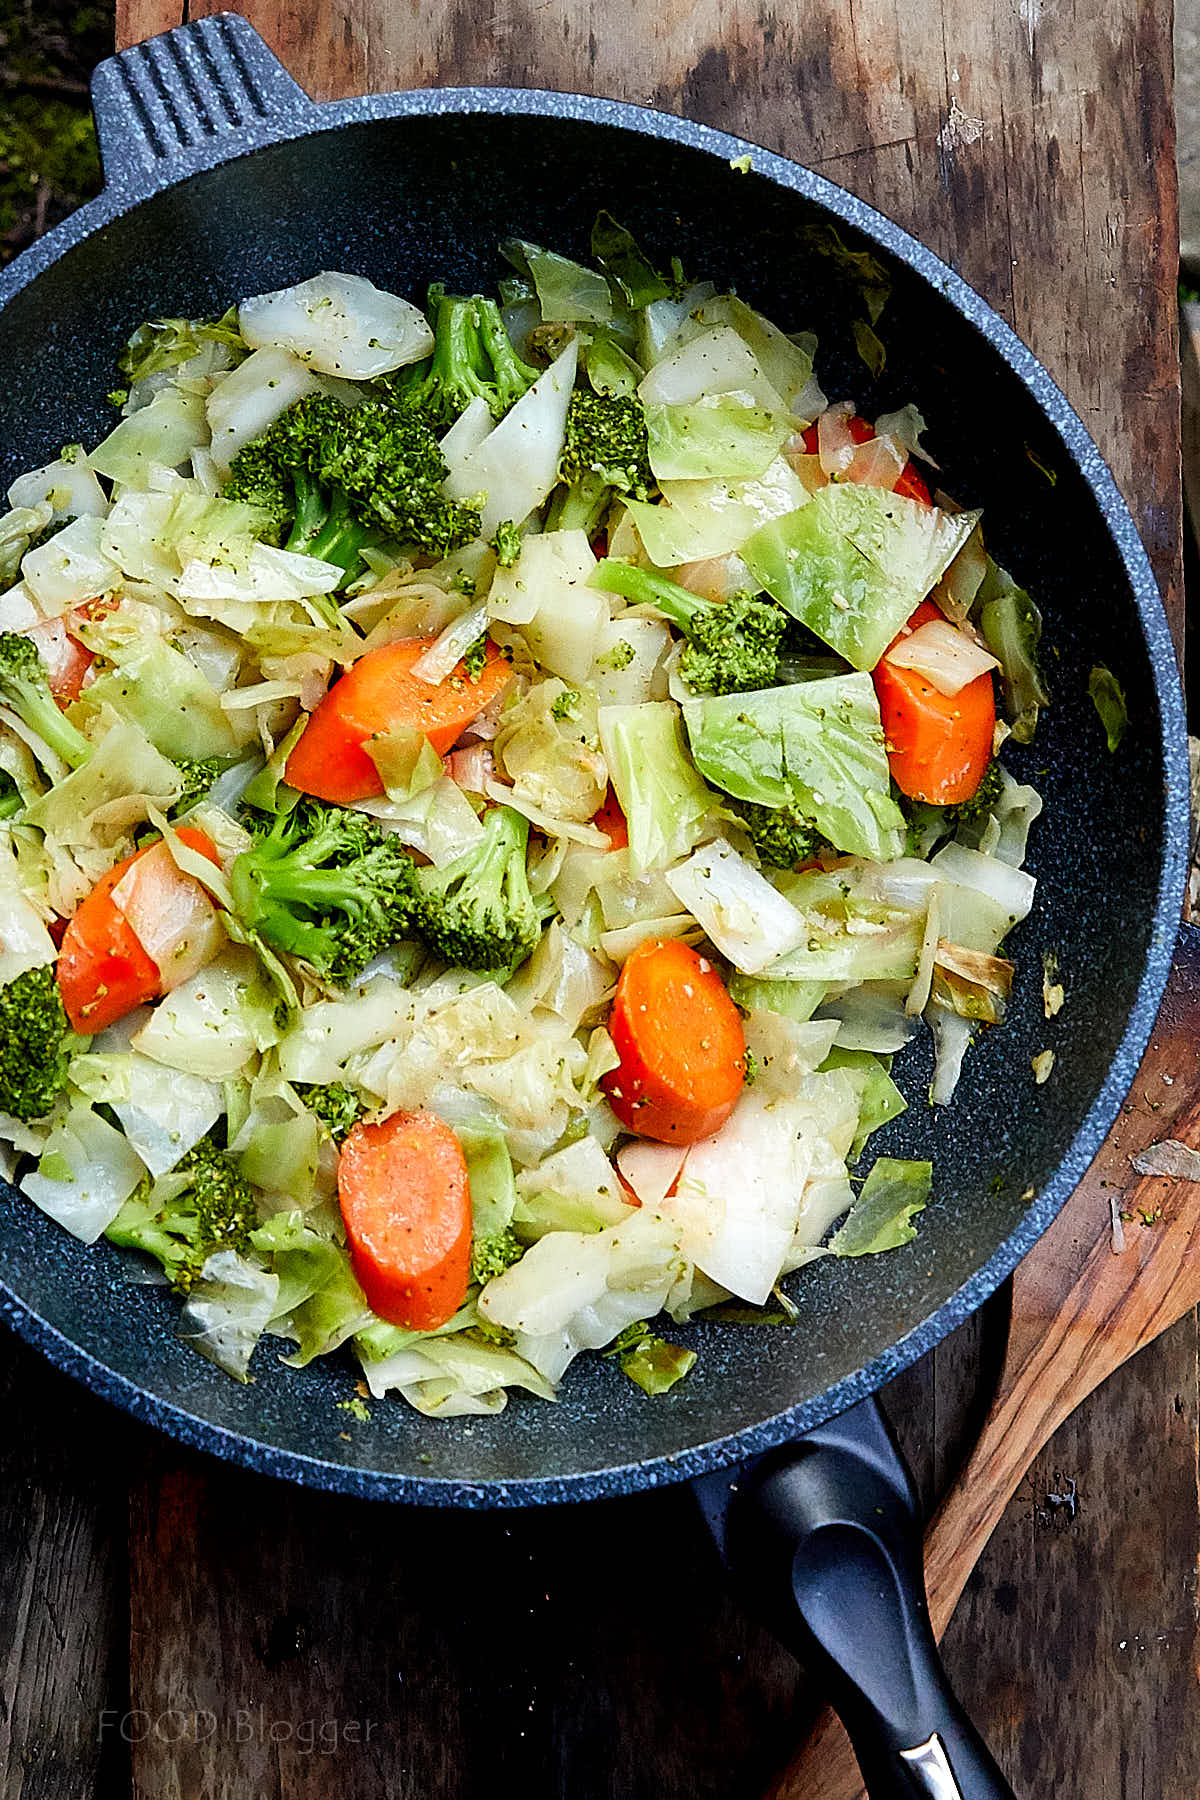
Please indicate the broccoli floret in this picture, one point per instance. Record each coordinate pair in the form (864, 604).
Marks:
(929, 824)
(198, 775)
(732, 645)
(209, 1207)
(782, 835)
(25, 687)
(36, 1044)
(974, 812)
(473, 359)
(490, 1256)
(326, 884)
(475, 658)
(477, 912)
(333, 478)
(605, 454)
(506, 543)
(337, 1106)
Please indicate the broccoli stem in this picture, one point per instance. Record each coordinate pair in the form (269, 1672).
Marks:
(512, 376)
(312, 511)
(581, 506)
(24, 686)
(644, 588)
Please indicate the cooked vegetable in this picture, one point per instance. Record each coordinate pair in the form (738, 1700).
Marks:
(477, 911)
(680, 1043)
(732, 646)
(1108, 697)
(25, 687)
(334, 1104)
(1012, 628)
(535, 951)
(341, 476)
(782, 836)
(473, 359)
(326, 885)
(817, 746)
(406, 1206)
(605, 454)
(380, 694)
(104, 968)
(36, 1044)
(939, 746)
(855, 563)
(203, 1206)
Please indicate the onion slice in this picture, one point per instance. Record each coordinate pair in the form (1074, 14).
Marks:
(170, 914)
(947, 658)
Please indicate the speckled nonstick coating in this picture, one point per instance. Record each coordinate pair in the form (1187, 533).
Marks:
(224, 180)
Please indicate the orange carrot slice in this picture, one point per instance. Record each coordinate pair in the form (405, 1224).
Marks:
(939, 745)
(680, 1040)
(611, 820)
(406, 1205)
(380, 694)
(103, 969)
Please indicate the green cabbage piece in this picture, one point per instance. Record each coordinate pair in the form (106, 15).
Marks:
(817, 745)
(881, 1099)
(855, 563)
(164, 692)
(881, 1218)
(1108, 697)
(717, 435)
(664, 800)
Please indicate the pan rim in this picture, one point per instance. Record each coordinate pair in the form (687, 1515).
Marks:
(122, 195)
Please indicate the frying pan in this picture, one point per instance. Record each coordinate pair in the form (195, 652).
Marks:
(223, 179)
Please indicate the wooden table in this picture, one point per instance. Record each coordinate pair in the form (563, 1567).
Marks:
(177, 1628)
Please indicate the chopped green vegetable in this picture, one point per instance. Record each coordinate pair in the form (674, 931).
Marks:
(1108, 697)
(36, 1044)
(327, 885)
(202, 1206)
(881, 1218)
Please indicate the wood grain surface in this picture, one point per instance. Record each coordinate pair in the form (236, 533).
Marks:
(281, 1643)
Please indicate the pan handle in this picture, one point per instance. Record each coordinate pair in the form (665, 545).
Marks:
(189, 98)
(824, 1537)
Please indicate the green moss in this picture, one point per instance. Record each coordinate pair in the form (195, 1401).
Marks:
(48, 158)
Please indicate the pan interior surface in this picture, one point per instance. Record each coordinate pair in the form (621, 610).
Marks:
(409, 199)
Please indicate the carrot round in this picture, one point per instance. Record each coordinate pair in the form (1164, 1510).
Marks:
(938, 745)
(911, 483)
(611, 820)
(380, 693)
(103, 970)
(406, 1206)
(680, 1040)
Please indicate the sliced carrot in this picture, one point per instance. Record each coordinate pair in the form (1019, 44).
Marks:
(67, 660)
(938, 745)
(406, 1206)
(103, 970)
(910, 484)
(680, 1040)
(379, 694)
(611, 820)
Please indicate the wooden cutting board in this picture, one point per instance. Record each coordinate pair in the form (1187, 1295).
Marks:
(998, 132)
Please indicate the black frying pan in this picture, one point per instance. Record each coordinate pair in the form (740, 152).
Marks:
(223, 179)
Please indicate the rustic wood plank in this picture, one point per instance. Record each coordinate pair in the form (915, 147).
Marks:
(293, 1644)
(1000, 135)
(63, 1691)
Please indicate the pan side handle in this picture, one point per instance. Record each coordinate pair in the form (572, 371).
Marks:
(823, 1537)
(189, 98)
